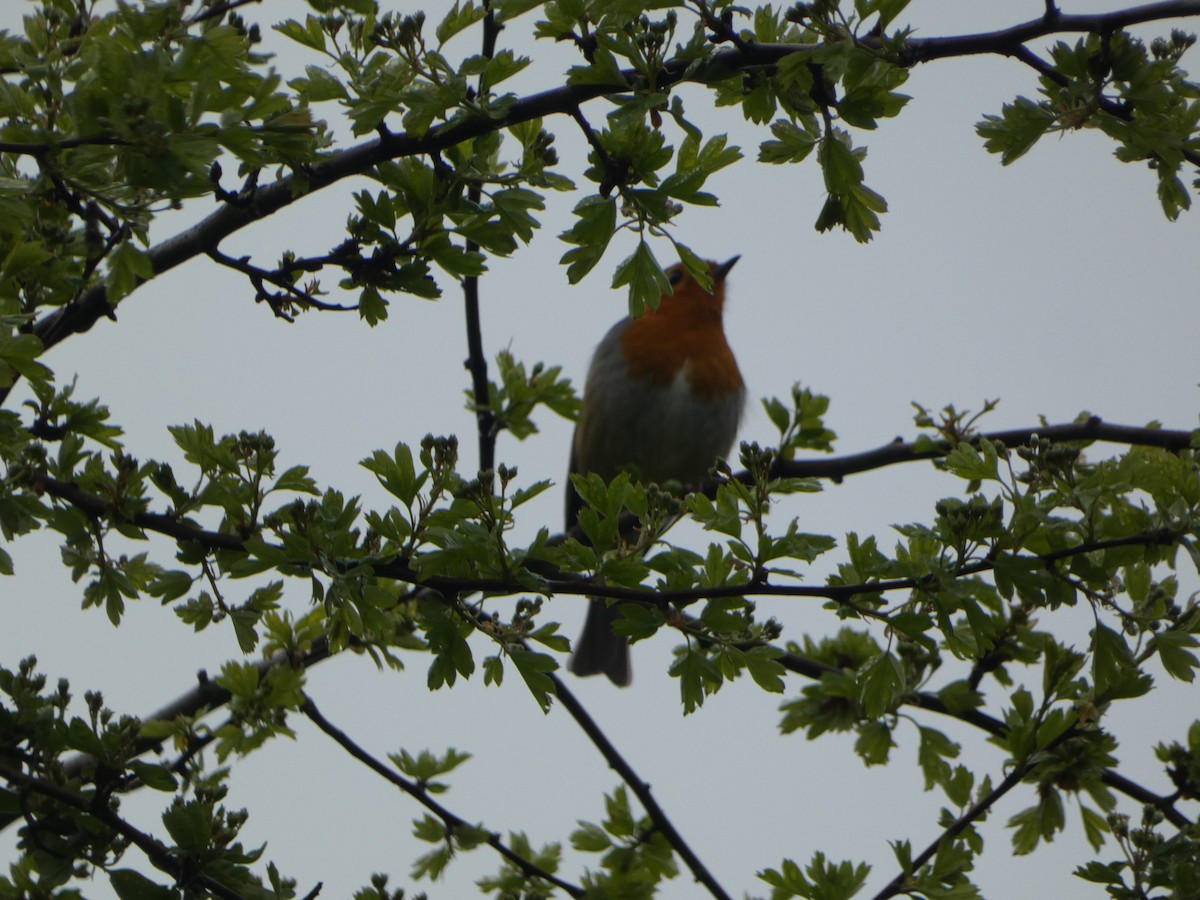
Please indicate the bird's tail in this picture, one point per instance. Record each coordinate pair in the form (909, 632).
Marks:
(598, 649)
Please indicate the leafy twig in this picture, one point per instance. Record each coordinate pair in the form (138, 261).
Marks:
(81, 315)
(158, 853)
(422, 796)
(640, 789)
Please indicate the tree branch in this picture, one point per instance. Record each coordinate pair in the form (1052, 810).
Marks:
(833, 468)
(288, 295)
(1094, 429)
(476, 362)
(208, 695)
(640, 789)
(422, 796)
(81, 314)
(1005, 40)
(578, 585)
(42, 148)
(979, 808)
(160, 856)
(814, 669)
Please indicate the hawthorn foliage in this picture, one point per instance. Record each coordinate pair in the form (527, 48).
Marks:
(114, 117)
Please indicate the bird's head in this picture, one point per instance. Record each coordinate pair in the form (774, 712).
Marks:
(688, 297)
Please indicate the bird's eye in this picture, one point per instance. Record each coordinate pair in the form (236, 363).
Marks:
(675, 276)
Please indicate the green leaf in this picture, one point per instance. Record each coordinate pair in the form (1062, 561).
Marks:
(881, 685)
(190, 824)
(1018, 127)
(765, 668)
(1115, 673)
(874, 743)
(697, 676)
(127, 268)
(792, 144)
(1174, 653)
(935, 748)
(535, 669)
(820, 880)
(131, 885)
(594, 228)
(156, 777)
(973, 464)
(19, 352)
(645, 277)
(310, 34)
(589, 838)
(1037, 823)
(459, 18)
(320, 85)
(396, 472)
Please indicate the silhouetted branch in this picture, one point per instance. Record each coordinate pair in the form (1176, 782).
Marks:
(160, 856)
(640, 789)
(289, 295)
(422, 796)
(579, 585)
(266, 200)
(41, 148)
(1005, 40)
(476, 362)
(836, 468)
(217, 10)
(977, 810)
(814, 669)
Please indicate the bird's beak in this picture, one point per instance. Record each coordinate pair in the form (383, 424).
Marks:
(720, 271)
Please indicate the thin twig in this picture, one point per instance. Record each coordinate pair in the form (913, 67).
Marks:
(640, 789)
(421, 795)
(260, 277)
(476, 362)
(42, 148)
(978, 809)
(219, 10)
(160, 856)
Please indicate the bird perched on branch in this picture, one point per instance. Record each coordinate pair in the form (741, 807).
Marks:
(663, 398)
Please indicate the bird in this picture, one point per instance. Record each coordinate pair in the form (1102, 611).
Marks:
(663, 398)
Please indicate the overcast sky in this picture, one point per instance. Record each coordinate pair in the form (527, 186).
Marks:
(1054, 284)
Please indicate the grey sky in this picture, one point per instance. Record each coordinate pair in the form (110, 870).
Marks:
(1054, 284)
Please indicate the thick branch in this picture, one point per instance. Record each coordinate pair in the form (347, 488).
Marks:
(80, 315)
(1006, 40)
(159, 523)
(24, 148)
(836, 468)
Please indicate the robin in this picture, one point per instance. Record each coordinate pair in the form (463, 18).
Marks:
(663, 398)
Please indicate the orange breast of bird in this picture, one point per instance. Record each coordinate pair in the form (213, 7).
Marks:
(685, 338)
